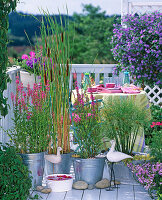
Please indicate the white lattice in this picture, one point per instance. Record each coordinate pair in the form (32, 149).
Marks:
(140, 6)
(154, 94)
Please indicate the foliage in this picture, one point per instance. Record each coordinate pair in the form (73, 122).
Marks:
(156, 141)
(149, 175)
(156, 116)
(30, 63)
(6, 6)
(142, 157)
(32, 119)
(54, 53)
(20, 22)
(86, 125)
(156, 111)
(14, 175)
(93, 32)
(122, 119)
(136, 47)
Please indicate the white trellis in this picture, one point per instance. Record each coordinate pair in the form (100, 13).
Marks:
(141, 7)
(154, 94)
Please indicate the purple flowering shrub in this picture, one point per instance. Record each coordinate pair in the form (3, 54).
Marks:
(86, 124)
(136, 47)
(149, 175)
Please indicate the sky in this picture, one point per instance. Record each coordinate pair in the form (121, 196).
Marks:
(33, 6)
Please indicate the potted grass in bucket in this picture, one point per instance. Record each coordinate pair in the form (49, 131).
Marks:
(87, 134)
(31, 126)
(123, 121)
(56, 74)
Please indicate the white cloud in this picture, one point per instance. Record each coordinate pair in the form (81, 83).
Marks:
(33, 6)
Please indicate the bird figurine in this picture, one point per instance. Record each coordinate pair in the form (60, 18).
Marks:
(113, 157)
(54, 158)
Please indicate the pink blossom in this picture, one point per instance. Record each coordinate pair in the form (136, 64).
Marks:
(17, 81)
(28, 117)
(24, 94)
(24, 57)
(156, 124)
(32, 54)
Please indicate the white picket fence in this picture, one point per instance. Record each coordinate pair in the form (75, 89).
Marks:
(104, 69)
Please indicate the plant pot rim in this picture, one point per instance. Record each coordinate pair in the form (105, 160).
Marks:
(30, 153)
(93, 158)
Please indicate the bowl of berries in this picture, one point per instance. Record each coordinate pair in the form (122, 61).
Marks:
(59, 182)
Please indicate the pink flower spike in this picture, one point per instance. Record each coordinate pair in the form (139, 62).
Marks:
(24, 57)
(32, 54)
(17, 81)
(28, 117)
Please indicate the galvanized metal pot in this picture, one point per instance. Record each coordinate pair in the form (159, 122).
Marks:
(35, 163)
(61, 168)
(89, 170)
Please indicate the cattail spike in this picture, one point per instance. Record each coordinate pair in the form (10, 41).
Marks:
(48, 52)
(45, 78)
(67, 68)
(45, 43)
(62, 37)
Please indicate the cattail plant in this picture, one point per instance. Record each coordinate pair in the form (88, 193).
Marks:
(56, 70)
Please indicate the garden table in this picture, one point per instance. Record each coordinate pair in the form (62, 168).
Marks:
(139, 98)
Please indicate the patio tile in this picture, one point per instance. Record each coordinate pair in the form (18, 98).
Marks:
(125, 192)
(112, 195)
(91, 194)
(57, 196)
(74, 195)
(141, 193)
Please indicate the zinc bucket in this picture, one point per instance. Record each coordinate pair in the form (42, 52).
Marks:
(35, 164)
(89, 170)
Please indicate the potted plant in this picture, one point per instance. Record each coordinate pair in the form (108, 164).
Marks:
(123, 120)
(31, 127)
(87, 134)
(29, 68)
(14, 175)
(56, 72)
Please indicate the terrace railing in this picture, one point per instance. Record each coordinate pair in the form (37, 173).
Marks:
(6, 123)
(102, 72)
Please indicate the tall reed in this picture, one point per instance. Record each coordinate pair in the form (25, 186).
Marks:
(56, 68)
